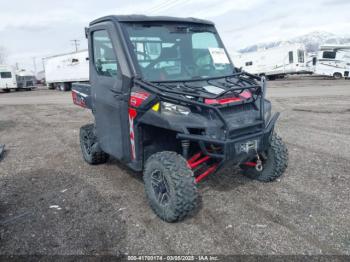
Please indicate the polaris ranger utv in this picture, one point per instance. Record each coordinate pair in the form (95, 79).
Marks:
(168, 101)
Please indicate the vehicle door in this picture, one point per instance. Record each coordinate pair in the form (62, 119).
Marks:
(109, 101)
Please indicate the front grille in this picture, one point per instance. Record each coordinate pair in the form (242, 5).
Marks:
(229, 110)
(242, 119)
(244, 131)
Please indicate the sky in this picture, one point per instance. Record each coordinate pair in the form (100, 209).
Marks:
(31, 30)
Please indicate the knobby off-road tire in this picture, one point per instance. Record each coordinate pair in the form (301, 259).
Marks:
(170, 186)
(90, 149)
(275, 164)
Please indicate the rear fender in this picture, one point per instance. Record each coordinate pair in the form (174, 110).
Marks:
(81, 95)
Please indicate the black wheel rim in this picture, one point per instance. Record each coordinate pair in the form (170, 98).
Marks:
(160, 187)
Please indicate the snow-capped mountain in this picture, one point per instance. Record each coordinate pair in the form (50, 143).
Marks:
(311, 41)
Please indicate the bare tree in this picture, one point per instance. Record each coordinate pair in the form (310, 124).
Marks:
(3, 55)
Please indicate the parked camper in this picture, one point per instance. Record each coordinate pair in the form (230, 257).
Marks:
(7, 78)
(25, 79)
(332, 60)
(62, 70)
(274, 62)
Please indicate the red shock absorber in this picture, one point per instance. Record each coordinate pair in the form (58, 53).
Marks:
(209, 171)
(196, 160)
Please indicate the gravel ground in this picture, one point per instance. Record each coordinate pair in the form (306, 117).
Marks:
(53, 203)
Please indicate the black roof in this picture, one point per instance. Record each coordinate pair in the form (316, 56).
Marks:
(144, 18)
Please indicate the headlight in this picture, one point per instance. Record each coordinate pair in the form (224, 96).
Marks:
(172, 108)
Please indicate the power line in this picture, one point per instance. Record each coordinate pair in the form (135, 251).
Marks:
(167, 5)
(160, 6)
(34, 64)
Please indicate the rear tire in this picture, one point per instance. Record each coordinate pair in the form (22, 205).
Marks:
(170, 186)
(64, 87)
(90, 149)
(337, 76)
(274, 164)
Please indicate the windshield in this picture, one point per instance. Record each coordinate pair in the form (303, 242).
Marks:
(178, 52)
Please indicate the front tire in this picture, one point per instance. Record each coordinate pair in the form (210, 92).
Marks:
(170, 186)
(90, 149)
(274, 162)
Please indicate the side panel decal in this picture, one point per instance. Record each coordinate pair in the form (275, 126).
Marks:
(136, 99)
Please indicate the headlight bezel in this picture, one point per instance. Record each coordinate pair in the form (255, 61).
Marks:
(171, 108)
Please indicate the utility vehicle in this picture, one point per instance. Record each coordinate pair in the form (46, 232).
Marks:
(168, 101)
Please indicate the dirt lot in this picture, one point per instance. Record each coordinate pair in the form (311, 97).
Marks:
(52, 202)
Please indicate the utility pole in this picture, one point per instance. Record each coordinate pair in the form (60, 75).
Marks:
(34, 64)
(76, 44)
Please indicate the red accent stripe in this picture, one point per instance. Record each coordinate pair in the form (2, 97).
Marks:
(78, 100)
(222, 101)
(132, 115)
(137, 98)
(244, 95)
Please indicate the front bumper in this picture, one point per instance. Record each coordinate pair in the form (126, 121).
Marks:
(230, 148)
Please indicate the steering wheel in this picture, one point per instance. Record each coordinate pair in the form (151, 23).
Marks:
(190, 70)
(204, 66)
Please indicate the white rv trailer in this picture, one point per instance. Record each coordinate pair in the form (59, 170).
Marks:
(7, 78)
(332, 60)
(62, 70)
(274, 62)
(25, 79)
